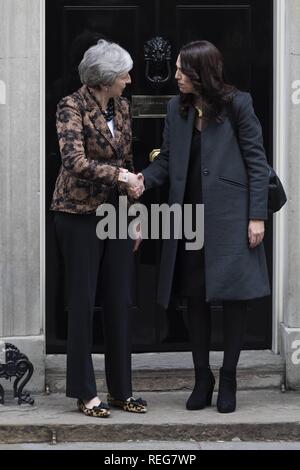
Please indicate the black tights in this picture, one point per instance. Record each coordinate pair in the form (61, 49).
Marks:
(199, 318)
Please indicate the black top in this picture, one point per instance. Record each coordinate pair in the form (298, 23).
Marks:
(189, 272)
(193, 188)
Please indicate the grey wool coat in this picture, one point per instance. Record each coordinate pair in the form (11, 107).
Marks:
(235, 190)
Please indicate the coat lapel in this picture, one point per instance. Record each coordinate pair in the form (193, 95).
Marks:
(184, 147)
(210, 134)
(99, 120)
(100, 124)
(118, 122)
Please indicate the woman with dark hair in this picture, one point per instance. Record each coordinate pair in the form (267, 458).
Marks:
(213, 154)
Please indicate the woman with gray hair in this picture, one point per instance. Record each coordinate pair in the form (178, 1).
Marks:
(94, 133)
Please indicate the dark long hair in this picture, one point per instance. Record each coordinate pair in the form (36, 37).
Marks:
(202, 62)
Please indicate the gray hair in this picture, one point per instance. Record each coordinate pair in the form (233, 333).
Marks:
(103, 63)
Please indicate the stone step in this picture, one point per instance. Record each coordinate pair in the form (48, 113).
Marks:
(173, 371)
(261, 415)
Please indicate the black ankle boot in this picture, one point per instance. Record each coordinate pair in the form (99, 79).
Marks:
(203, 390)
(226, 402)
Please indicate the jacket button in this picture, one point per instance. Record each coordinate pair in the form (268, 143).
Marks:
(205, 172)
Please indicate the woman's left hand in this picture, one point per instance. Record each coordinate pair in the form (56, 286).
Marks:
(138, 241)
(256, 232)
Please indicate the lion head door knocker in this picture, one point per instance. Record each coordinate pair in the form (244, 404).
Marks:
(157, 53)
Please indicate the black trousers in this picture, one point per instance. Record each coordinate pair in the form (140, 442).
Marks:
(84, 253)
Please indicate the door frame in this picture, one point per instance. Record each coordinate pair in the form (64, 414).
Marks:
(280, 164)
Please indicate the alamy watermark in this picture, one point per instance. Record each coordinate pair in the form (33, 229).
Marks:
(2, 92)
(166, 222)
(296, 93)
(296, 352)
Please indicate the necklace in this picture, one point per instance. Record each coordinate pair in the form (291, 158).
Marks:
(199, 111)
(110, 111)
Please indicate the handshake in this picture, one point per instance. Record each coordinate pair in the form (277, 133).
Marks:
(134, 183)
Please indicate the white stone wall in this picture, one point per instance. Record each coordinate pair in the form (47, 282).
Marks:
(20, 312)
(19, 168)
(291, 320)
(292, 317)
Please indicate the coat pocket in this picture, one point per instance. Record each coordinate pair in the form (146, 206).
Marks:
(77, 190)
(231, 182)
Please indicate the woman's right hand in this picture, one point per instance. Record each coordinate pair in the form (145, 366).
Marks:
(135, 185)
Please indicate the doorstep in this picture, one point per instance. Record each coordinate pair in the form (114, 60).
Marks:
(261, 415)
(174, 371)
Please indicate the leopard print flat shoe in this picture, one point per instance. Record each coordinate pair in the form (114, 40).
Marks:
(99, 411)
(134, 405)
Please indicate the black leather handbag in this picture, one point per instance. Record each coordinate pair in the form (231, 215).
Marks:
(276, 196)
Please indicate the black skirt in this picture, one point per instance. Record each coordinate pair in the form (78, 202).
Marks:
(189, 277)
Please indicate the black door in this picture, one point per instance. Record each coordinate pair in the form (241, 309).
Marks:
(242, 30)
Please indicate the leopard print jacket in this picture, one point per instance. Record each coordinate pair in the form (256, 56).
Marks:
(90, 156)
